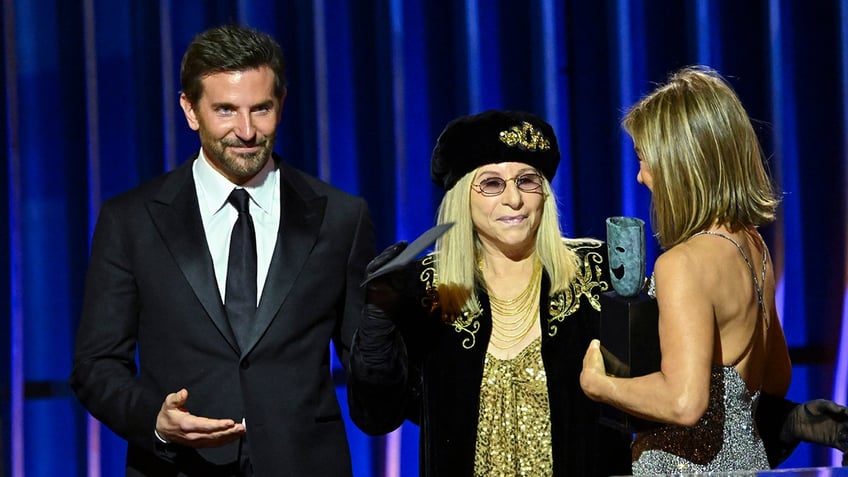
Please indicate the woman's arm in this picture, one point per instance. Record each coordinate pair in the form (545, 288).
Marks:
(679, 392)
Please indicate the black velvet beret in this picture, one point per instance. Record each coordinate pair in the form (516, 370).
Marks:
(491, 137)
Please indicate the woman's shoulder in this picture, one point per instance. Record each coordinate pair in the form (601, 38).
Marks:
(690, 255)
(688, 266)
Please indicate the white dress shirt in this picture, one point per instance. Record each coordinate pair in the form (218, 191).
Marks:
(219, 216)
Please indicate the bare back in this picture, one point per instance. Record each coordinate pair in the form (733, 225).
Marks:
(738, 279)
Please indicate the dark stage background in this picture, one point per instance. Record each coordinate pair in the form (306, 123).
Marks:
(90, 108)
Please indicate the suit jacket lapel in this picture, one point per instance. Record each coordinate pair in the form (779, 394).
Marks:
(301, 215)
(176, 214)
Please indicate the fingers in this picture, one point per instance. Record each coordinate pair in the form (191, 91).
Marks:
(383, 294)
(593, 357)
(190, 424)
(176, 425)
(198, 432)
(385, 256)
(593, 370)
(819, 421)
(824, 407)
(176, 400)
(587, 357)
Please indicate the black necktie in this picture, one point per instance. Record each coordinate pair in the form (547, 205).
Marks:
(241, 269)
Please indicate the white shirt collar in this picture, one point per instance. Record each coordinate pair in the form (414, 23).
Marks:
(217, 188)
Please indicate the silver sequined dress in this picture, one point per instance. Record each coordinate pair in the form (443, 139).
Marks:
(724, 439)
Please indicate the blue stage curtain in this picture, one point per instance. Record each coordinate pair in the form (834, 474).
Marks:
(90, 109)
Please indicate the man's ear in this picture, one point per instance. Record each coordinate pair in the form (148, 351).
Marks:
(188, 110)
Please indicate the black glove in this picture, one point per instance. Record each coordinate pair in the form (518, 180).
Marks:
(383, 295)
(819, 422)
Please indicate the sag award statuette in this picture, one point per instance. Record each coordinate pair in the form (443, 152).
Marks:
(628, 331)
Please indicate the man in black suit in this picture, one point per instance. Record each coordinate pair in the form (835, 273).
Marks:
(232, 375)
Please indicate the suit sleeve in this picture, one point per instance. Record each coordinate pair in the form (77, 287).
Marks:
(104, 368)
(361, 252)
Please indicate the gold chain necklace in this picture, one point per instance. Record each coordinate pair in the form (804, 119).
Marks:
(523, 310)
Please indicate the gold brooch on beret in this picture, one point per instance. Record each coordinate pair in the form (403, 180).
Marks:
(525, 137)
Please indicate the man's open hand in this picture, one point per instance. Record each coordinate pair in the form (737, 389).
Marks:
(176, 425)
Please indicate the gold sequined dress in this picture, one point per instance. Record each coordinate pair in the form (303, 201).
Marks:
(514, 432)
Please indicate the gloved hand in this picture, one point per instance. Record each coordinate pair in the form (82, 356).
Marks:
(820, 422)
(382, 295)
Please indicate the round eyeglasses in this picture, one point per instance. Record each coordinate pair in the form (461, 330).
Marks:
(492, 186)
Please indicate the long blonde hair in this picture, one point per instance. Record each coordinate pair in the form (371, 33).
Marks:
(457, 251)
(703, 156)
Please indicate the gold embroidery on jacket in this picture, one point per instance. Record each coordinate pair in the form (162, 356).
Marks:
(430, 301)
(587, 283)
(468, 324)
(464, 323)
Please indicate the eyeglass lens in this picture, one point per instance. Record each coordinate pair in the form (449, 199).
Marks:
(524, 182)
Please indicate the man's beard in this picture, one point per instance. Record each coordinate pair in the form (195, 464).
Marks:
(243, 166)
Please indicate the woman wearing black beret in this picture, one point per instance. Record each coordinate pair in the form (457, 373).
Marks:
(481, 342)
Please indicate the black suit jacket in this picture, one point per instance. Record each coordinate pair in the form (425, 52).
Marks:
(151, 290)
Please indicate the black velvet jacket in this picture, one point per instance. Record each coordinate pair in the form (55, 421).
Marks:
(422, 368)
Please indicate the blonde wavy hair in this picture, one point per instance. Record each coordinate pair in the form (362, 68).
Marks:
(458, 250)
(703, 155)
